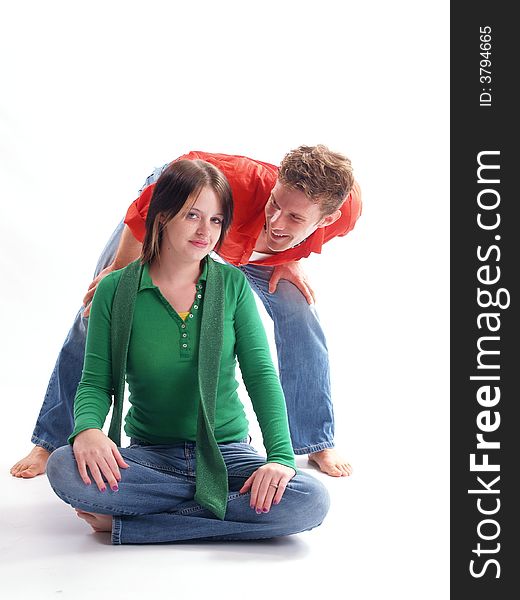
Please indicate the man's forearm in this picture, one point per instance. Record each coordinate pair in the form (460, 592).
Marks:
(129, 249)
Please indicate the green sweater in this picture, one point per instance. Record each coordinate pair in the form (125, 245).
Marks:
(162, 369)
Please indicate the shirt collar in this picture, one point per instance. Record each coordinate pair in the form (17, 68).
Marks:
(147, 283)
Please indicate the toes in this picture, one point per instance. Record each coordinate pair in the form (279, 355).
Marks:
(27, 470)
(346, 469)
(31, 471)
(85, 516)
(334, 471)
(330, 465)
(331, 469)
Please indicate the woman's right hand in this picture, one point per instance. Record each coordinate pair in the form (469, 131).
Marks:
(93, 449)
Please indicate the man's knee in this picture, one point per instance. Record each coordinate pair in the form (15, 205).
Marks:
(290, 303)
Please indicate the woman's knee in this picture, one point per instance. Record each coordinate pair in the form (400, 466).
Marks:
(311, 500)
(61, 468)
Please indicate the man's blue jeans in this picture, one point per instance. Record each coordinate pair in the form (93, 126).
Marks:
(302, 360)
(56, 419)
(155, 499)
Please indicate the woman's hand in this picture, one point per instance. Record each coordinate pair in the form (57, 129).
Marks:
(267, 485)
(93, 449)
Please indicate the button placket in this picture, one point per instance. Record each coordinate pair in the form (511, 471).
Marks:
(185, 327)
(184, 339)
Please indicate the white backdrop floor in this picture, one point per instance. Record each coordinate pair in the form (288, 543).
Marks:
(46, 552)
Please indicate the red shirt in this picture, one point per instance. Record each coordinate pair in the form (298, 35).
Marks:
(251, 182)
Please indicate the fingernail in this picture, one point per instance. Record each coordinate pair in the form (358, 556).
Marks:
(115, 488)
(265, 510)
(258, 511)
(103, 489)
(276, 501)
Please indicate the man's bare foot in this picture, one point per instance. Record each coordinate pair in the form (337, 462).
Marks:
(32, 465)
(331, 463)
(96, 521)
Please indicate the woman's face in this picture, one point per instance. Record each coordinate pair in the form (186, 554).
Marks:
(193, 234)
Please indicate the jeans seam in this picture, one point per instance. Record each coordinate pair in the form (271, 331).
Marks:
(162, 468)
(37, 441)
(43, 444)
(290, 487)
(198, 508)
(314, 448)
(260, 292)
(69, 500)
(116, 530)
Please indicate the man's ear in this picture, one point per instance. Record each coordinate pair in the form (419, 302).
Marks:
(329, 219)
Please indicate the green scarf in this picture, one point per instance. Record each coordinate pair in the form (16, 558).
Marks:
(211, 473)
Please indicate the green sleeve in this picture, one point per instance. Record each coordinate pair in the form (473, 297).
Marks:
(260, 378)
(94, 394)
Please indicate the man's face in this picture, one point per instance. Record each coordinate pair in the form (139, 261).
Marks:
(290, 218)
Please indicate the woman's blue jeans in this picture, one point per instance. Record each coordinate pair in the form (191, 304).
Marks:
(302, 360)
(155, 503)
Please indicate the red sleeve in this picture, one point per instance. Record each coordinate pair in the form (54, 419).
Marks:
(136, 213)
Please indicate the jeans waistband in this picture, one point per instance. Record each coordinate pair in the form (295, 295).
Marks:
(186, 445)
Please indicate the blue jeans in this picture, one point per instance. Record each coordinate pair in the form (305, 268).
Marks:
(56, 419)
(303, 363)
(155, 503)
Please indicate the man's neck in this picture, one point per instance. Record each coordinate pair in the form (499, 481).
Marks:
(261, 244)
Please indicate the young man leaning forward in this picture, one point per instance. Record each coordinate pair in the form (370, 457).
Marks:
(281, 215)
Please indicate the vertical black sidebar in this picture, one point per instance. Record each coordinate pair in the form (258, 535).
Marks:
(485, 332)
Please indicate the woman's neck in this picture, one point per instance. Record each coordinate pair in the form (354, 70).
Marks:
(176, 273)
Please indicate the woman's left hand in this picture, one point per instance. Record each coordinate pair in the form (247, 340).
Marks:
(267, 485)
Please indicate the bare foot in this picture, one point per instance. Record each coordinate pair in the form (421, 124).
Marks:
(330, 462)
(96, 521)
(32, 465)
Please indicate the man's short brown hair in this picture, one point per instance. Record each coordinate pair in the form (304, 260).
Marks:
(326, 177)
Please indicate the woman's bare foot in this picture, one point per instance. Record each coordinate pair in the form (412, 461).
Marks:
(96, 521)
(32, 465)
(331, 463)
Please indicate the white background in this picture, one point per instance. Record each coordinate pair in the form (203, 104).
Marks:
(94, 95)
